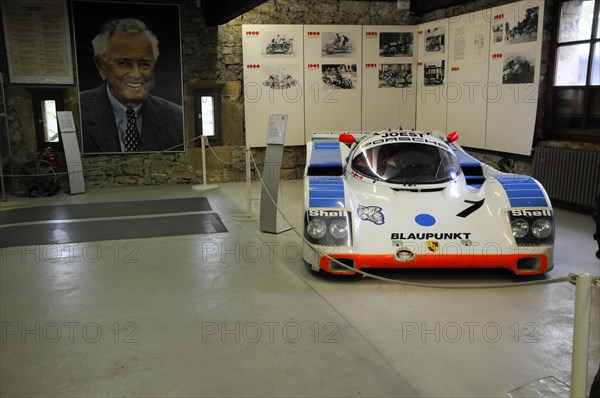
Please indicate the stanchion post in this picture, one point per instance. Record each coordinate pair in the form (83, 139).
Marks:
(248, 183)
(204, 186)
(203, 142)
(248, 216)
(581, 335)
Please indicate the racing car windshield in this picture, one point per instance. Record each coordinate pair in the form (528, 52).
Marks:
(407, 164)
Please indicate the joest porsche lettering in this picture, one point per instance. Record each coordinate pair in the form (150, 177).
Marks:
(430, 235)
(413, 199)
(406, 136)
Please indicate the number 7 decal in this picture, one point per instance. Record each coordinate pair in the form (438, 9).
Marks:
(475, 206)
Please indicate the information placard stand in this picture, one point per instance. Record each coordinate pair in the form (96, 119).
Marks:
(269, 215)
(72, 153)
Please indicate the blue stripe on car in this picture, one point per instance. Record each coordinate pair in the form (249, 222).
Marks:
(325, 191)
(523, 191)
(325, 159)
(464, 158)
(471, 168)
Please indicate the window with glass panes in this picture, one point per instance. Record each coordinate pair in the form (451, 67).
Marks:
(46, 102)
(207, 107)
(573, 104)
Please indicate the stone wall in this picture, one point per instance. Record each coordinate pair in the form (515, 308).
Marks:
(213, 56)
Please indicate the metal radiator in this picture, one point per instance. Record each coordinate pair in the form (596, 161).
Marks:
(569, 176)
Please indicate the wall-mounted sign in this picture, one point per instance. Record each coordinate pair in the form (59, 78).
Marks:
(38, 43)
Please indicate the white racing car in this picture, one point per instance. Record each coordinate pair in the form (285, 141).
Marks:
(408, 199)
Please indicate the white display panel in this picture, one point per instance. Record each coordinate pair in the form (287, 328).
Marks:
(332, 73)
(38, 43)
(468, 61)
(514, 72)
(389, 77)
(432, 73)
(273, 80)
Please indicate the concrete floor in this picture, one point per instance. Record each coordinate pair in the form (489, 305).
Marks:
(238, 314)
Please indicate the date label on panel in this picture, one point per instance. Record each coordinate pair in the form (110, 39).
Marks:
(371, 35)
(253, 66)
(313, 35)
(370, 66)
(313, 66)
(455, 69)
(496, 55)
(252, 33)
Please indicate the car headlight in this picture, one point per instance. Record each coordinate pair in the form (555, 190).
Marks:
(316, 228)
(532, 227)
(541, 228)
(519, 227)
(328, 227)
(339, 229)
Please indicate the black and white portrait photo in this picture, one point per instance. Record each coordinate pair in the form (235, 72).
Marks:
(395, 75)
(518, 68)
(396, 44)
(278, 43)
(435, 40)
(337, 44)
(129, 74)
(523, 27)
(433, 72)
(339, 75)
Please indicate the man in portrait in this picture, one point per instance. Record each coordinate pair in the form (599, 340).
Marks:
(122, 115)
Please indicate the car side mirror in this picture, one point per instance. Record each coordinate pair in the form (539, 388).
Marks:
(347, 139)
(451, 137)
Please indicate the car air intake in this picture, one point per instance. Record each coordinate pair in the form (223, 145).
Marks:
(528, 264)
(338, 267)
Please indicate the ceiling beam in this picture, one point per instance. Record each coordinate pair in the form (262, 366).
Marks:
(218, 12)
(423, 7)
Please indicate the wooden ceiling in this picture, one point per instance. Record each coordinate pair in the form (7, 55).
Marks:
(218, 12)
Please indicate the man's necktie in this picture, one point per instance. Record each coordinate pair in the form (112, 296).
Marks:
(132, 137)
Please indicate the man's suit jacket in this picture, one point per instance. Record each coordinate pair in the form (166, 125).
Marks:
(162, 124)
